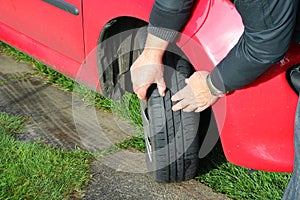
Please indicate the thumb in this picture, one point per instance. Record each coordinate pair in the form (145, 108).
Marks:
(161, 86)
(187, 80)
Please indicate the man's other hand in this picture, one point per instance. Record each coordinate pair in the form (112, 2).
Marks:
(195, 96)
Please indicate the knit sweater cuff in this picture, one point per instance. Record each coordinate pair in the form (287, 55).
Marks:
(163, 33)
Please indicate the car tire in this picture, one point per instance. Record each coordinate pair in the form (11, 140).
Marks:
(172, 138)
(117, 49)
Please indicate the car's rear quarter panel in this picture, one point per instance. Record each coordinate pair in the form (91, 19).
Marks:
(256, 123)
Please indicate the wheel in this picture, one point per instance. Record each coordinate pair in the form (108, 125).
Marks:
(116, 52)
(172, 138)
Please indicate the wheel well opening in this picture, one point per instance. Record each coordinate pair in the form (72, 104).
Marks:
(115, 54)
(118, 25)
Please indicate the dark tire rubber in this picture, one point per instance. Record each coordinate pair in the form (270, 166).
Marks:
(116, 53)
(172, 138)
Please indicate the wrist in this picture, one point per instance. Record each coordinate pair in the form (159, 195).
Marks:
(213, 90)
(163, 33)
(155, 46)
(153, 53)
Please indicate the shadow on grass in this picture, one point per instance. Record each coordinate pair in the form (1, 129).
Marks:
(213, 160)
(210, 138)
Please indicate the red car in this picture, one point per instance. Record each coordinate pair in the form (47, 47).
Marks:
(257, 129)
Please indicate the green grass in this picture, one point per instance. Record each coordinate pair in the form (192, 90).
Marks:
(53, 76)
(36, 171)
(11, 125)
(136, 142)
(233, 181)
(240, 183)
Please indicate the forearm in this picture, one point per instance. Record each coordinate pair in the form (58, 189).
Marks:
(167, 18)
(155, 47)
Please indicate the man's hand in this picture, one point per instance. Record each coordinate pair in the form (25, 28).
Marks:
(146, 70)
(196, 96)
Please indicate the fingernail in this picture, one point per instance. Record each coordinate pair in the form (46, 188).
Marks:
(174, 108)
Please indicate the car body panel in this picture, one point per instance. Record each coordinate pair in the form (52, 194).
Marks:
(51, 26)
(129, 8)
(45, 32)
(38, 51)
(133, 8)
(257, 126)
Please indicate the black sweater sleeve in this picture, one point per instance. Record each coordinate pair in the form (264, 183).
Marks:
(268, 31)
(168, 17)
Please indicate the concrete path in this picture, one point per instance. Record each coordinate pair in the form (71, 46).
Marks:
(62, 119)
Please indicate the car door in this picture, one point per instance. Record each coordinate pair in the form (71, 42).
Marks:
(55, 24)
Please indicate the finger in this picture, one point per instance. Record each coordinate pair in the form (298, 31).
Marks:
(201, 108)
(180, 105)
(180, 94)
(187, 80)
(142, 91)
(161, 86)
(190, 108)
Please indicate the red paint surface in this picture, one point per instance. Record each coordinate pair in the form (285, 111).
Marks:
(257, 130)
(256, 123)
(259, 125)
